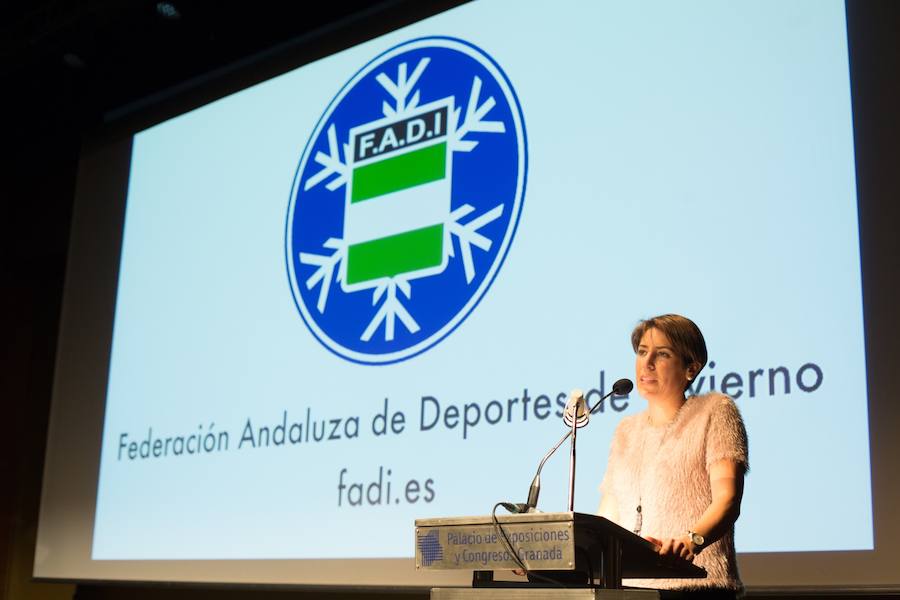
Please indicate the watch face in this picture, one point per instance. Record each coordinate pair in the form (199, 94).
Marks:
(697, 539)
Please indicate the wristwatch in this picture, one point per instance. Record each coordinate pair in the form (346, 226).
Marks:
(696, 539)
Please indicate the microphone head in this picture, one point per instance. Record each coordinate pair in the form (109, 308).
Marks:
(622, 387)
(576, 410)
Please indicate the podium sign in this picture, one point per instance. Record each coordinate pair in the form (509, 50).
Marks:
(542, 542)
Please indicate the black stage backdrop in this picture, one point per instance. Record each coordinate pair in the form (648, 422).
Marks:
(59, 70)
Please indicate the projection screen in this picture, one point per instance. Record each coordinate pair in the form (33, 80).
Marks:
(303, 315)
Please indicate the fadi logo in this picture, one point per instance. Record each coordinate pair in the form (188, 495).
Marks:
(406, 200)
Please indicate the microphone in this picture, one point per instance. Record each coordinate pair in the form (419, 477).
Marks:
(619, 388)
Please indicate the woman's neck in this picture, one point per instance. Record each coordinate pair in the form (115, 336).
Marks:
(663, 410)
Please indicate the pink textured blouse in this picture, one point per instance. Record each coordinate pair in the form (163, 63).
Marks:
(665, 471)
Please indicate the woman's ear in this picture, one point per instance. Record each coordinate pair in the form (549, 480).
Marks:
(692, 370)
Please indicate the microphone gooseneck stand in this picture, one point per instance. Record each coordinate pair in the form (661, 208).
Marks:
(572, 463)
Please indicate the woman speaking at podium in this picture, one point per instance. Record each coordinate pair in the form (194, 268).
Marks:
(676, 470)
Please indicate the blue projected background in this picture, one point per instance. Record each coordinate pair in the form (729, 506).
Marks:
(681, 157)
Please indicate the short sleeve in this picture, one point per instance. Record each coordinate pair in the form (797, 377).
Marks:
(726, 438)
(607, 482)
(607, 485)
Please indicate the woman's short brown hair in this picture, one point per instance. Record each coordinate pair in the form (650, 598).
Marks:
(687, 339)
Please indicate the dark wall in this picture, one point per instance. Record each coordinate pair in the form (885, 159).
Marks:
(46, 114)
(41, 141)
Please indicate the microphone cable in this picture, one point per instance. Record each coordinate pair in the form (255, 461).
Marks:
(498, 528)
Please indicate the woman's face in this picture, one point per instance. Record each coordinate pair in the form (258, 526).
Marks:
(659, 371)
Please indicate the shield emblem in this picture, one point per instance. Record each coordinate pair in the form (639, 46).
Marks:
(397, 199)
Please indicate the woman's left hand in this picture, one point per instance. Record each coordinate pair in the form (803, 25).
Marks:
(680, 547)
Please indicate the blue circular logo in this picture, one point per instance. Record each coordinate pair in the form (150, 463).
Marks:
(406, 200)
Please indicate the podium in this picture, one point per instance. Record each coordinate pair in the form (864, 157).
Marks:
(552, 545)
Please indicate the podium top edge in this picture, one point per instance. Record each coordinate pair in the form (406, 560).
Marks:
(536, 517)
